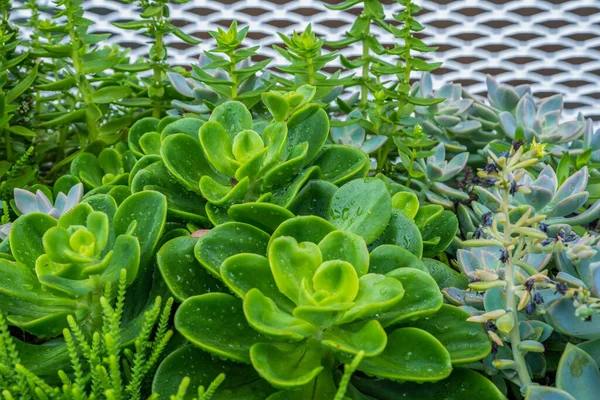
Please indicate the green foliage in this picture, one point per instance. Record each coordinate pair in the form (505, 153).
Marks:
(328, 235)
(100, 366)
(312, 291)
(67, 262)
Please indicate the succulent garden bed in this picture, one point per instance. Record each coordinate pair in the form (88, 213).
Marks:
(244, 230)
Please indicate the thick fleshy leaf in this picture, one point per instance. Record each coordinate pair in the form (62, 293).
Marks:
(86, 167)
(546, 393)
(575, 184)
(562, 316)
(335, 282)
(444, 275)
(313, 199)
(233, 116)
(286, 195)
(287, 365)
(283, 173)
(26, 237)
(184, 158)
(222, 195)
(26, 305)
(243, 272)
(229, 239)
(216, 323)
(182, 204)
(312, 130)
(202, 368)
(407, 203)
(264, 316)
(465, 341)
(340, 163)
(246, 145)
(352, 338)
(188, 126)
(323, 387)
(137, 130)
(265, 216)
(182, 273)
(291, 263)
(438, 233)
(422, 297)
(388, 257)
(304, 229)
(578, 374)
(377, 294)
(401, 231)
(411, 354)
(363, 207)
(216, 144)
(149, 211)
(346, 246)
(462, 384)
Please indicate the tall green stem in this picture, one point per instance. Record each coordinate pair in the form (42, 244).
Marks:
(311, 71)
(233, 75)
(511, 299)
(84, 86)
(157, 69)
(364, 95)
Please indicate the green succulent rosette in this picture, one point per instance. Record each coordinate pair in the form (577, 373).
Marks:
(60, 267)
(206, 167)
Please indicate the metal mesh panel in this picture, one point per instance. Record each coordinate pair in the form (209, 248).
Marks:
(552, 44)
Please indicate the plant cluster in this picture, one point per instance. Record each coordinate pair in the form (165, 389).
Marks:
(347, 235)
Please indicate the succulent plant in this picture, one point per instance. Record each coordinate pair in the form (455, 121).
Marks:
(306, 58)
(61, 267)
(560, 204)
(539, 120)
(354, 135)
(111, 167)
(432, 172)
(448, 121)
(223, 74)
(507, 259)
(310, 289)
(27, 203)
(225, 161)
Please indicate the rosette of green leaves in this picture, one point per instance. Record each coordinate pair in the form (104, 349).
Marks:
(312, 290)
(231, 159)
(449, 121)
(61, 267)
(306, 58)
(559, 203)
(538, 120)
(431, 171)
(110, 167)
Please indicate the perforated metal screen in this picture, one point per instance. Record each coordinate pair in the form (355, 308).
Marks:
(552, 44)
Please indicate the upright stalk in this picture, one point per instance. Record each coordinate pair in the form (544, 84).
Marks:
(157, 68)
(233, 62)
(364, 95)
(82, 82)
(511, 298)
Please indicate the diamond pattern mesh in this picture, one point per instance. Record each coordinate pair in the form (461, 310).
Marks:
(552, 44)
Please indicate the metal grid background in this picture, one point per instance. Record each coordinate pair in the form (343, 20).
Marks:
(552, 44)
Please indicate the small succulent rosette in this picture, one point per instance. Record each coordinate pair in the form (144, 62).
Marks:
(206, 167)
(60, 267)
